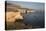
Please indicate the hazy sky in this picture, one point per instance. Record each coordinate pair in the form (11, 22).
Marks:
(33, 5)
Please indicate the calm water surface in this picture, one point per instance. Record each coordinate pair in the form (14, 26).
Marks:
(36, 19)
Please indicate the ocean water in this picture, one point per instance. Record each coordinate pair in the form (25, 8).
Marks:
(36, 19)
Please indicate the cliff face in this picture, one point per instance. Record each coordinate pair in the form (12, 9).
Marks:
(14, 17)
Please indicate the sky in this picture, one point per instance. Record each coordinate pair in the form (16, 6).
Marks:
(32, 5)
